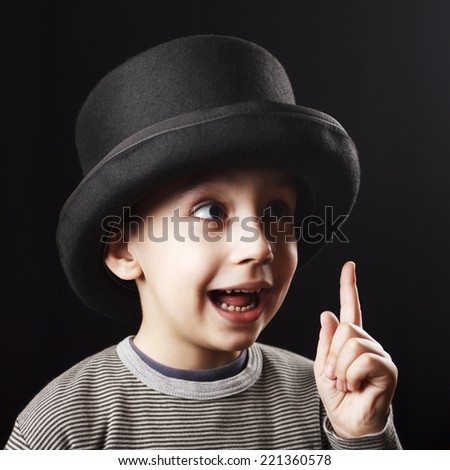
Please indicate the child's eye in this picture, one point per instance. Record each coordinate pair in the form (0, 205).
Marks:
(210, 210)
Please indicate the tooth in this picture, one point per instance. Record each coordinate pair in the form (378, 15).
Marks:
(232, 308)
(228, 291)
(237, 291)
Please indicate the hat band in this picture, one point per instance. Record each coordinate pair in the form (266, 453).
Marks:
(214, 114)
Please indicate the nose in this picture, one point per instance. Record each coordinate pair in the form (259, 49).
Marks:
(248, 242)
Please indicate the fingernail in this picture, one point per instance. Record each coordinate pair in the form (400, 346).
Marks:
(329, 370)
(339, 385)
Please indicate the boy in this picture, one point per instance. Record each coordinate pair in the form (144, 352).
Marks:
(202, 137)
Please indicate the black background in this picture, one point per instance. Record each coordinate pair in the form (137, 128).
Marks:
(382, 68)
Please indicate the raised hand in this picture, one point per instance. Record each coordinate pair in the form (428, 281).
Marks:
(355, 377)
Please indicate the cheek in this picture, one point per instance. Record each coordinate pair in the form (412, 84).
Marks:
(182, 255)
(287, 256)
(286, 264)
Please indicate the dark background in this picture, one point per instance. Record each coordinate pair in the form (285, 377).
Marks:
(382, 68)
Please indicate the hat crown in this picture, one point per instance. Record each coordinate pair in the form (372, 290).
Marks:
(178, 77)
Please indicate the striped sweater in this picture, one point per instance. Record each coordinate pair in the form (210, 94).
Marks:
(114, 400)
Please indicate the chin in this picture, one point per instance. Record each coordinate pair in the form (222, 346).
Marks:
(238, 342)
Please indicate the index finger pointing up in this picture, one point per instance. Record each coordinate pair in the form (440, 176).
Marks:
(350, 308)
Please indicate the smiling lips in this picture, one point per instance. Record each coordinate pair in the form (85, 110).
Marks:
(236, 300)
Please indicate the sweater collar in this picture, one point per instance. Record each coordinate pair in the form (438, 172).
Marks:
(191, 389)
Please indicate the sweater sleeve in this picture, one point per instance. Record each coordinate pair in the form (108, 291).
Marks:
(16, 440)
(386, 439)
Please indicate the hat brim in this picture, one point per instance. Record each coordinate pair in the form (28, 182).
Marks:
(298, 140)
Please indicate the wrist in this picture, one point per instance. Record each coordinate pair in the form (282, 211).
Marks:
(385, 439)
(359, 431)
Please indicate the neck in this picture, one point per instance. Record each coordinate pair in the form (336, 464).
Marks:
(181, 356)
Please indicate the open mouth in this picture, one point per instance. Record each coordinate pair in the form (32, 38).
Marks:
(236, 300)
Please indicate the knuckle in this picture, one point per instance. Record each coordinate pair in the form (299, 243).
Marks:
(346, 329)
(368, 360)
(393, 370)
(354, 345)
(388, 356)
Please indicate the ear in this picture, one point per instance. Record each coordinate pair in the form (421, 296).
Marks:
(121, 261)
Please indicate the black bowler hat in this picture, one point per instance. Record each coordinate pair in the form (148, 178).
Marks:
(194, 103)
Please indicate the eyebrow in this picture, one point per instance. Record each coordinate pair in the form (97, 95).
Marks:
(286, 181)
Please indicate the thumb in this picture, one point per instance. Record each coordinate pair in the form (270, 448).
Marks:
(329, 324)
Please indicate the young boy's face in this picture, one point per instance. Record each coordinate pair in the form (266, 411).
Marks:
(216, 279)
